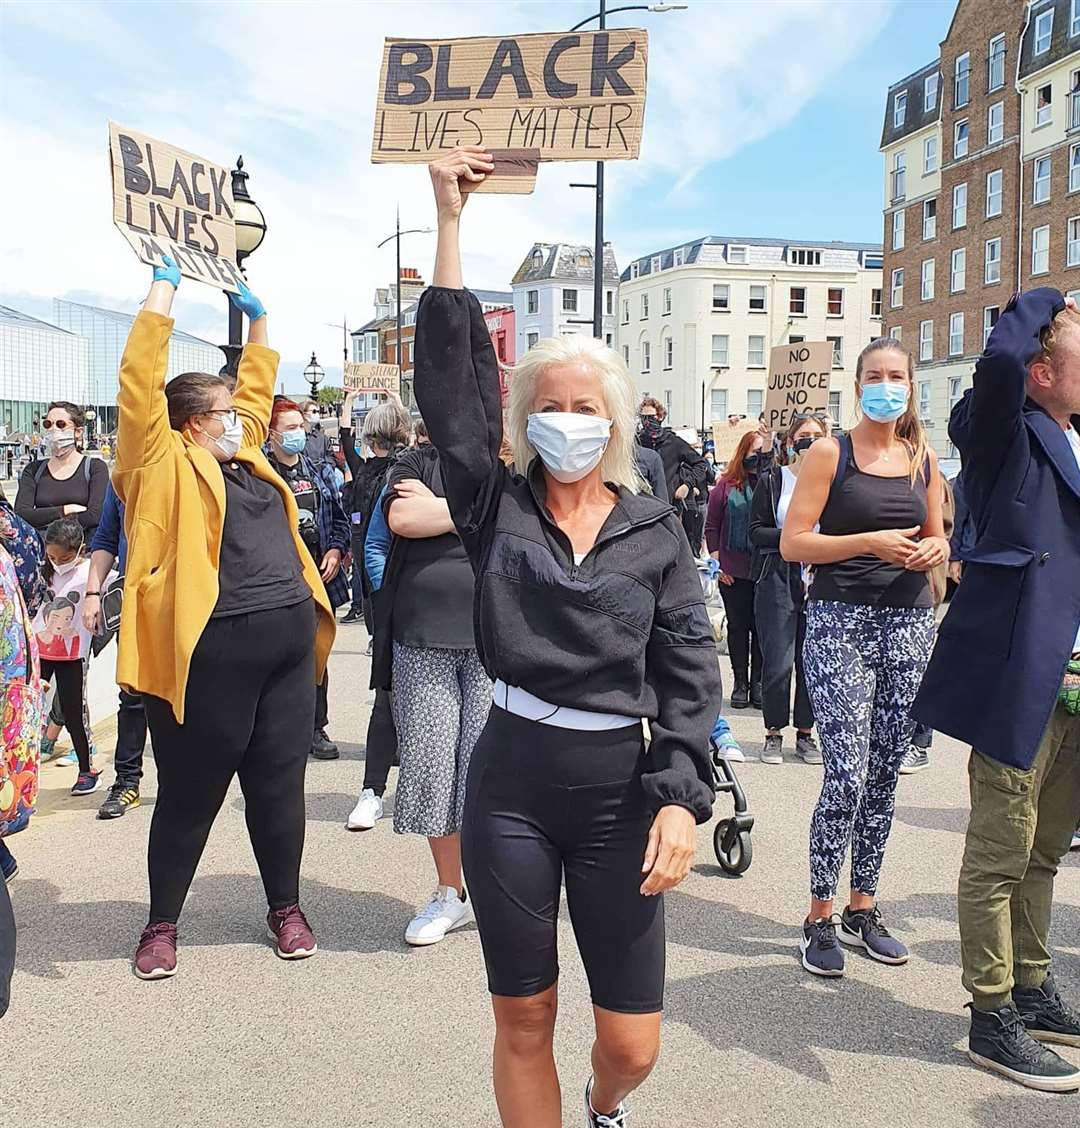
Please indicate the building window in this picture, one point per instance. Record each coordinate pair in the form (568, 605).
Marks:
(1041, 181)
(898, 230)
(635, 269)
(958, 270)
(669, 352)
(801, 256)
(899, 110)
(990, 319)
(646, 356)
(926, 279)
(796, 339)
(667, 300)
(721, 296)
(930, 156)
(797, 301)
(929, 92)
(531, 339)
(956, 393)
(895, 332)
(996, 63)
(929, 219)
(718, 403)
(737, 254)
(532, 301)
(755, 352)
(1074, 20)
(719, 350)
(924, 399)
(569, 301)
(959, 206)
(644, 306)
(1074, 165)
(956, 334)
(899, 175)
(993, 193)
(1074, 101)
(875, 303)
(1072, 242)
(1044, 105)
(667, 401)
(626, 355)
(1040, 250)
(834, 304)
(757, 299)
(609, 302)
(837, 351)
(896, 293)
(926, 340)
(654, 266)
(755, 402)
(834, 407)
(962, 81)
(1044, 30)
(626, 311)
(678, 257)
(960, 140)
(995, 123)
(992, 271)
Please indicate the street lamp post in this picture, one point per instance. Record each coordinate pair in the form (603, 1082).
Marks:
(314, 374)
(598, 187)
(250, 232)
(397, 296)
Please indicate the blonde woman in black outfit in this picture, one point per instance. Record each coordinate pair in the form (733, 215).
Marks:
(589, 618)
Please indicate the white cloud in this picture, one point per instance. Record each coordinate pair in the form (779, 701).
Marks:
(292, 86)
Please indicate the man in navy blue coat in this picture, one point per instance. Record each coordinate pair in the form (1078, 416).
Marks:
(996, 674)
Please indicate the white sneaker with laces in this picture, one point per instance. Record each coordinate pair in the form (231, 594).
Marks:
(594, 1119)
(442, 914)
(1075, 840)
(367, 812)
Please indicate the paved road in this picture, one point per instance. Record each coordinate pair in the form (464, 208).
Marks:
(370, 1032)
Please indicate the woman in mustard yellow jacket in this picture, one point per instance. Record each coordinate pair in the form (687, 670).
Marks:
(226, 628)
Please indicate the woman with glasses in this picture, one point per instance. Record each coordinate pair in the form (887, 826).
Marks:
(779, 599)
(67, 483)
(225, 643)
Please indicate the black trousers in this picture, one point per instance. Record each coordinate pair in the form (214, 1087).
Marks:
(693, 523)
(743, 647)
(249, 711)
(68, 677)
(130, 739)
(780, 618)
(322, 707)
(357, 579)
(380, 752)
(7, 947)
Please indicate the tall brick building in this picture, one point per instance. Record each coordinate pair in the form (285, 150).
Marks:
(982, 186)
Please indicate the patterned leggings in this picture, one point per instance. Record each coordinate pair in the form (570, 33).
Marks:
(441, 700)
(863, 668)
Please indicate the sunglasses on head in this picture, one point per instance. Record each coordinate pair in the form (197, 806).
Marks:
(59, 424)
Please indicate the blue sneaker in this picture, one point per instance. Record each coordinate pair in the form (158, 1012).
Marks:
(72, 757)
(48, 749)
(86, 784)
(864, 929)
(728, 748)
(821, 955)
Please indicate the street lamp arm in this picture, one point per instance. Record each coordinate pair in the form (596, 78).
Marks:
(411, 231)
(611, 12)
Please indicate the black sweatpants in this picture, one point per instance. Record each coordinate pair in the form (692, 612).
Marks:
(249, 710)
(69, 679)
(742, 637)
(780, 621)
(380, 750)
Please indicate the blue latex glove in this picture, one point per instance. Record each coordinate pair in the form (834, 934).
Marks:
(247, 303)
(170, 272)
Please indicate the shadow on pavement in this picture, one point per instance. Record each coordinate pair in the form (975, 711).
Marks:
(954, 819)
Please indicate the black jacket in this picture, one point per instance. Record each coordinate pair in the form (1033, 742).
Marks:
(764, 531)
(651, 469)
(683, 466)
(623, 632)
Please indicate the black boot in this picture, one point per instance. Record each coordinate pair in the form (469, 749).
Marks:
(740, 695)
(1046, 1015)
(999, 1041)
(322, 747)
(755, 694)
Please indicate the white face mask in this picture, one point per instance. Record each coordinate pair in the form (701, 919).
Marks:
(65, 569)
(59, 441)
(569, 444)
(230, 439)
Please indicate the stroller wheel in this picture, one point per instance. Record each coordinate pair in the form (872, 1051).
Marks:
(733, 849)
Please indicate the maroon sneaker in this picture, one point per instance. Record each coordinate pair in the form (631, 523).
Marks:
(291, 933)
(155, 957)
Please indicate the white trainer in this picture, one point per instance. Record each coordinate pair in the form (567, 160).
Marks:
(367, 812)
(593, 1119)
(442, 914)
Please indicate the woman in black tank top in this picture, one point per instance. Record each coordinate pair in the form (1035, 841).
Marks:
(866, 513)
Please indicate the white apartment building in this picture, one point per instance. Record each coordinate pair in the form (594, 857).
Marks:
(553, 293)
(697, 321)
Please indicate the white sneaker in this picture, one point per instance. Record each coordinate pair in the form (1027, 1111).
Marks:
(1075, 840)
(442, 914)
(367, 812)
(618, 1119)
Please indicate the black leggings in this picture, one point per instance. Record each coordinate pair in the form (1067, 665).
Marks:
(249, 710)
(68, 677)
(546, 802)
(742, 638)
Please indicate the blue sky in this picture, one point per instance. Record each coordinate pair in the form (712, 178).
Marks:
(763, 118)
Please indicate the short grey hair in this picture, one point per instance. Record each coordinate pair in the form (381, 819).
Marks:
(386, 426)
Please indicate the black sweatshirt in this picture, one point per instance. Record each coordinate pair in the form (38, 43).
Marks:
(625, 631)
(41, 499)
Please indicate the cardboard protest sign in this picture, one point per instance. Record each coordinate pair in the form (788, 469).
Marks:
(726, 437)
(369, 377)
(168, 202)
(798, 381)
(569, 97)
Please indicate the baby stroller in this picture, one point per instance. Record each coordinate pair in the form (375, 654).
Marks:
(731, 838)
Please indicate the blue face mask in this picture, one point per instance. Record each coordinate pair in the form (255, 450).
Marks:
(293, 442)
(884, 402)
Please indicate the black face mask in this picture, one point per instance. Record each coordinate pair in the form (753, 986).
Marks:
(803, 444)
(753, 462)
(650, 429)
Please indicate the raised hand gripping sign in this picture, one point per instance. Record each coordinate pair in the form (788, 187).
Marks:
(526, 98)
(169, 202)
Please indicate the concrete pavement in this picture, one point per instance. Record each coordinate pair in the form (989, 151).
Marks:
(370, 1032)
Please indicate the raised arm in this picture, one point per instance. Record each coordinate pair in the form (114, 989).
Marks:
(256, 373)
(764, 533)
(345, 434)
